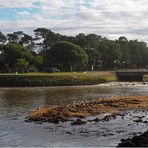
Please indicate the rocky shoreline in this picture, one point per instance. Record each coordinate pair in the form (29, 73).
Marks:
(80, 110)
(136, 141)
(124, 84)
(98, 111)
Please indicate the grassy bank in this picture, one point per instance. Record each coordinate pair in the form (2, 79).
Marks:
(55, 79)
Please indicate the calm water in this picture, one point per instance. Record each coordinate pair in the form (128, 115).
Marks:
(16, 103)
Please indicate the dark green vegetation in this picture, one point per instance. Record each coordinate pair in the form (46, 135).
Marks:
(57, 79)
(16, 58)
(20, 52)
(71, 55)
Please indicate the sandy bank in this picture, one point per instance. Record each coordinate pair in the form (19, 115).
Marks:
(82, 109)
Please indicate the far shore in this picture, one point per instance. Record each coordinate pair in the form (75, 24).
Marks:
(56, 79)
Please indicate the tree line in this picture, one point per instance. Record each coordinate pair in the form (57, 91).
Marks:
(45, 49)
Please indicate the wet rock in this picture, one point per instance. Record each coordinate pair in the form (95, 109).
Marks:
(143, 83)
(96, 120)
(27, 120)
(54, 120)
(78, 122)
(58, 119)
(138, 120)
(109, 134)
(109, 117)
(120, 131)
(84, 132)
(14, 118)
(145, 121)
(136, 141)
(69, 133)
(38, 122)
(126, 144)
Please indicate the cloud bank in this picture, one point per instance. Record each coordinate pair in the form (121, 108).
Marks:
(110, 18)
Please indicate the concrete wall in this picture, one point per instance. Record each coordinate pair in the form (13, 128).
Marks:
(123, 76)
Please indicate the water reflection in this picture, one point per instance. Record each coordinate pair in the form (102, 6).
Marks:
(30, 98)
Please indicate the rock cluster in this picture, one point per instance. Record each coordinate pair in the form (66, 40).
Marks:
(136, 141)
(83, 109)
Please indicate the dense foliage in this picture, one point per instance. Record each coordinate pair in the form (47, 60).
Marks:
(66, 54)
(20, 52)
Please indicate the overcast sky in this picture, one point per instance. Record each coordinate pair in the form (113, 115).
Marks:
(110, 18)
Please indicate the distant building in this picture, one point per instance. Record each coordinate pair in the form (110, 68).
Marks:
(99, 63)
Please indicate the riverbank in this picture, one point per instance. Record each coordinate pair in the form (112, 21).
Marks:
(131, 111)
(55, 79)
(86, 109)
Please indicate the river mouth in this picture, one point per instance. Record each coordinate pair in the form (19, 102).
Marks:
(16, 103)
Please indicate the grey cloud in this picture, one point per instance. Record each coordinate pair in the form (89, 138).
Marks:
(112, 18)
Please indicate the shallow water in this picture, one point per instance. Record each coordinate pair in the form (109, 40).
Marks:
(16, 103)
